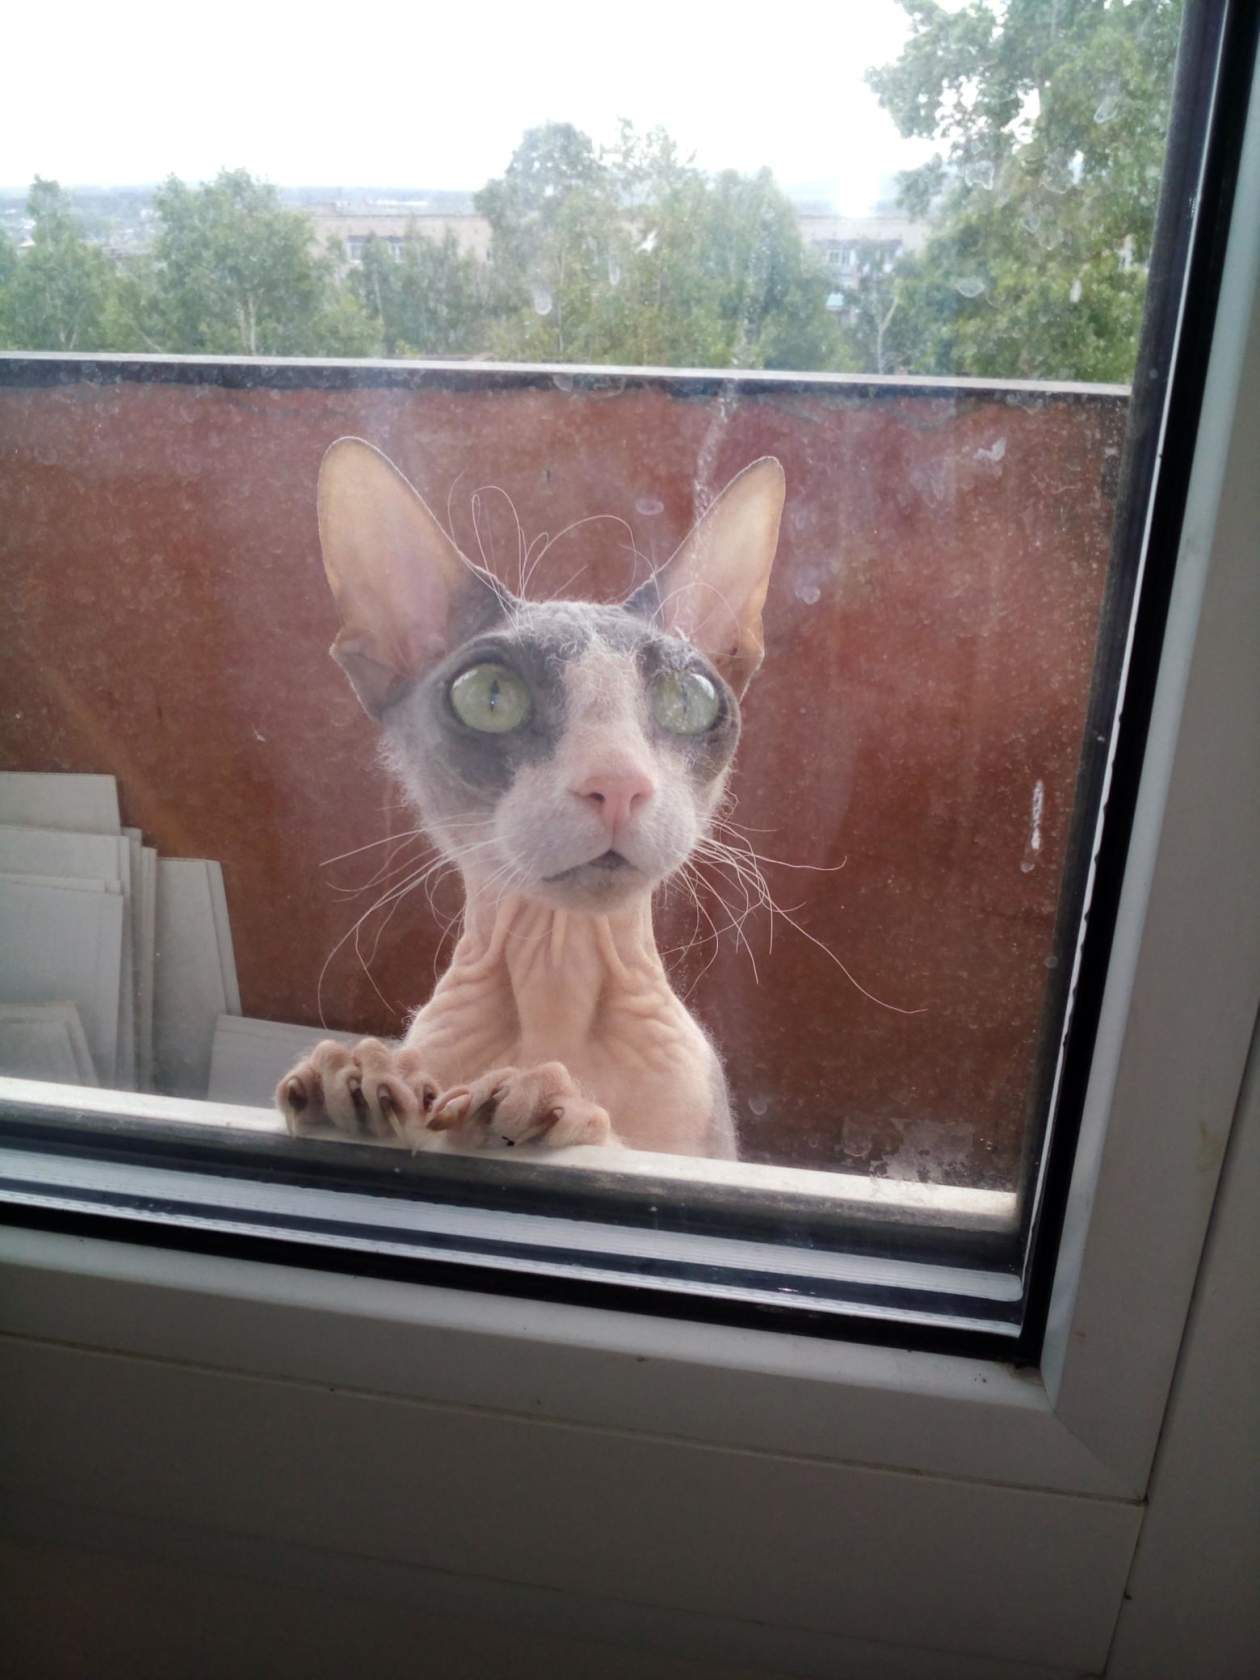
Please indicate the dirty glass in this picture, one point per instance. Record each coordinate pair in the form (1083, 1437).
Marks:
(905, 254)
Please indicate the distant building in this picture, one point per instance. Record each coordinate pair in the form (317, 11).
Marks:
(351, 229)
(846, 244)
(855, 247)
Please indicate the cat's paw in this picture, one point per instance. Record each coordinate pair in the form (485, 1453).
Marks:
(374, 1090)
(513, 1105)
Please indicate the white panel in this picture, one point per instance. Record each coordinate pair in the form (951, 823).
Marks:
(45, 1041)
(787, 1541)
(1193, 1605)
(1184, 980)
(39, 799)
(173, 1600)
(190, 965)
(770, 1392)
(64, 943)
(250, 1057)
(147, 899)
(40, 853)
(223, 937)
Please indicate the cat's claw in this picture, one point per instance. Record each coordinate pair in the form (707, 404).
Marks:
(373, 1090)
(510, 1106)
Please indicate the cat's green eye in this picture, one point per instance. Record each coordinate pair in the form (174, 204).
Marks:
(684, 702)
(491, 698)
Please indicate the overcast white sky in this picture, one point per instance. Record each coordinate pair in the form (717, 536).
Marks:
(438, 95)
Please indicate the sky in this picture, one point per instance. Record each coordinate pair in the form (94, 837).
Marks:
(438, 95)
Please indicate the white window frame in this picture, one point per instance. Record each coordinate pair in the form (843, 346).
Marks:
(1029, 1470)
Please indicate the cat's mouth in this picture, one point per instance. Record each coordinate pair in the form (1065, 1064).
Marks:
(608, 864)
(599, 884)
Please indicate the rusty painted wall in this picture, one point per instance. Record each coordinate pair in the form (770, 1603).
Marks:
(931, 633)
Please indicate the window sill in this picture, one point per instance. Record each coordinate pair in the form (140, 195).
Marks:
(604, 1226)
(892, 1198)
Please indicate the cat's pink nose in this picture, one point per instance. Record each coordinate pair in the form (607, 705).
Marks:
(616, 797)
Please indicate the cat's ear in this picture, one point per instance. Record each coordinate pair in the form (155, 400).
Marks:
(713, 588)
(405, 594)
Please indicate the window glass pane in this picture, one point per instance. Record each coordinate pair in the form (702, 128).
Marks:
(909, 264)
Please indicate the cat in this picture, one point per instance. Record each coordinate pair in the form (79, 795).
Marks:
(568, 757)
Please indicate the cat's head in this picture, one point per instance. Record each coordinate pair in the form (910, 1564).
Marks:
(567, 751)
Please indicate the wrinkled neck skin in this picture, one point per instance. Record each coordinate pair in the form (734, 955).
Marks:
(529, 983)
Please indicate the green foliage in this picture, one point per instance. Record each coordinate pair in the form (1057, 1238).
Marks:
(8, 269)
(428, 301)
(1052, 122)
(556, 245)
(56, 294)
(638, 258)
(234, 273)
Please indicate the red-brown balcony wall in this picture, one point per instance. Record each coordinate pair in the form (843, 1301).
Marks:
(931, 635)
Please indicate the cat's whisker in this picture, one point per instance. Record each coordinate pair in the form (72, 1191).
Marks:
(694, 583)
(450, 506)
(550, 543)
(722, 821)
(783, 863)
(481, 547)
(393, 896)
(689, 874)
(497, 489)
(371, 845)
(775, 908)
(422, 878)
(737, 920)
(568, 582)
(387, 870)
(686, 878)
(532, 560)
(716, 934)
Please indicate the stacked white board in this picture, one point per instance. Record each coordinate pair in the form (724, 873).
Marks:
(113, 963)
(250, 1057)
(116, 965)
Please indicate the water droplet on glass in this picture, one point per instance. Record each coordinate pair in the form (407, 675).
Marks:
(979, 175)
(1057, 176)
(1075, 290)
(649, 244)
(614, 270)
(562, 381)
(649, 506)
(1052, 961)
(1031, 219)
(1108, 106)
(994, 452)
(542, 300)
(759, 1105)
(809, 593)
(971, 286)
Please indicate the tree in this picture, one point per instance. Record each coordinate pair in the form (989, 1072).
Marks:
(8, 269)
(870, 308)
(234, 273)
(430, 300)
(1051, 121)
(555, 239)
(638, 257)
(57, 293)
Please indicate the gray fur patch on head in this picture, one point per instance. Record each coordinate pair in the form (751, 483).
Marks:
(508, 805)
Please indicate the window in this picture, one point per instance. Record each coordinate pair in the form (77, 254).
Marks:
(884, 929)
